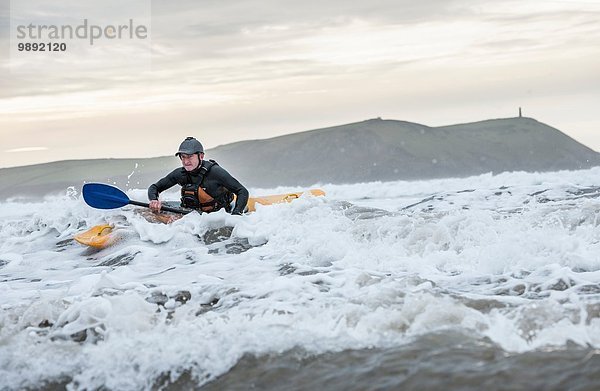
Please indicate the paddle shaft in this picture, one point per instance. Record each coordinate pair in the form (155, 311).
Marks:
(165, 208)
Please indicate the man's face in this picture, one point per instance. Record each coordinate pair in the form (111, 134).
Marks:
(190, 162)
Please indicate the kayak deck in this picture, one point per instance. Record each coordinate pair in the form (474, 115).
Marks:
(279, 198)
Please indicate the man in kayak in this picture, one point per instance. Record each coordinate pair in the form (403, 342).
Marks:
(205, 186)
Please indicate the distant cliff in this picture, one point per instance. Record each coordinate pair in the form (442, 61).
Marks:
(372, 150)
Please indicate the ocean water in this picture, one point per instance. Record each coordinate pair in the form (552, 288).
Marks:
(489, 282)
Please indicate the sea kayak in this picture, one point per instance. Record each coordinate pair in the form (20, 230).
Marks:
(103, 235)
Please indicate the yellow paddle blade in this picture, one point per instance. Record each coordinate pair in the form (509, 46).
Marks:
(98, 236)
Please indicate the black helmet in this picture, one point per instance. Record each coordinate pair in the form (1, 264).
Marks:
(190, 146)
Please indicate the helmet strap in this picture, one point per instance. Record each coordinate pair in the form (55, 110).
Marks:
(199, 161)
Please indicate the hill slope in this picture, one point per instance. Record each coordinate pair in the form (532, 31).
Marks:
(389, 150)
(359, 152)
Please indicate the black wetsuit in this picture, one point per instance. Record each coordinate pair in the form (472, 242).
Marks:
(217, 182)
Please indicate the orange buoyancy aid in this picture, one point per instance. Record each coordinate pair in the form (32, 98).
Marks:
(195, 197)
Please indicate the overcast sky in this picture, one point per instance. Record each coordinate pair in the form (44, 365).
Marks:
(242, 69)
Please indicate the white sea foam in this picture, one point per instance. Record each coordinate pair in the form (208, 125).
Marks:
(513, 257)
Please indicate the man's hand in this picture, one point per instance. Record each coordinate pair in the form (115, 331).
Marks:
(155, 205)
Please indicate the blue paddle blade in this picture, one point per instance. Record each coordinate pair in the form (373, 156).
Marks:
(102, 196)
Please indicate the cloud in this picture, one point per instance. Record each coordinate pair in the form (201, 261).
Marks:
(251, 61)
(26, 149)
(217, 43)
